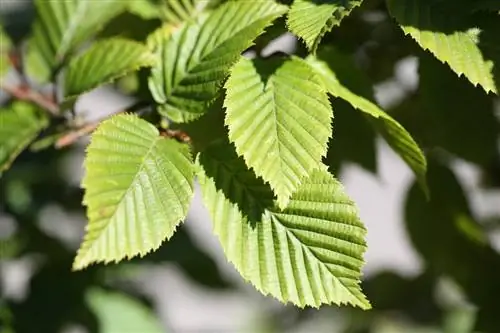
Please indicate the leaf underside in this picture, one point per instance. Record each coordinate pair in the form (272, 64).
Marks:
(451, 39)
(195, 59)
(105, 61)
(396, 135)
(310, 20)
(61, 26)
(20, 124)
(138, 187)
(309, 254)
(279, 120)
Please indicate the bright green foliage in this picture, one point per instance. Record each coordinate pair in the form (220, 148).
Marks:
(312, 19)
(196, 58)
(20, 124)
(138, 187)
(311, 253)
(119, 313)
(105, 61)
(280, 119)
(5, 45)
(61, 26)
(178, 11)
(147, 9)
(395, 134)
(456, 41)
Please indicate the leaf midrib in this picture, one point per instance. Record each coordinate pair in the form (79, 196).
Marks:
(306, 249)
(193, 69)
(129, 188)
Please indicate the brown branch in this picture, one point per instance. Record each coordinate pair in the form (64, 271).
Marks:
(71, 137)
(27, 94)
(176, 134)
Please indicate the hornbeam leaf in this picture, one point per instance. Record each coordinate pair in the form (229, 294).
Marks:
(176, 12)
(312, 19)
(280, 119)
(20, 124)
(138, 187)
(455, 40)
(396, 135)
(195, 59)
(61, 26)
(105, 61)
(309, 254)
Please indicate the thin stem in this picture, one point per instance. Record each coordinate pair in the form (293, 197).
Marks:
(27, 94)
(73, 136)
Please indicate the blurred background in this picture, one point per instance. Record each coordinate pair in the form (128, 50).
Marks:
(430, 267)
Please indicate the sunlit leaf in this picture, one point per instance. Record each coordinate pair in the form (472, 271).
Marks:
(455, 40)
(196, 58)
(312, 19)
(311, 253)
(138, 187)
(279, 119)
(105, 61)
(61, 26)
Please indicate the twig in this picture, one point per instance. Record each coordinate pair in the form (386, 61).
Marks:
(74, 135)
(176, 134)
(27, 94)
(71, 137)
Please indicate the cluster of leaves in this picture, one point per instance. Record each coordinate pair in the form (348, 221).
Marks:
(257, 132)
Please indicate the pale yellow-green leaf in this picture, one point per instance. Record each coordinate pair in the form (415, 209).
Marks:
(138, 187)
(279, 119)
(310, 20)
(105, 61)
(455, 40)
(309, 254)
(196, 58)
(61, 26)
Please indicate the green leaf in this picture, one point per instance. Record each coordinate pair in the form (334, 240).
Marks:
(105, 61)
(20, 123)
(453, 39)
(119, 313)
(279, 119)
(146, 9)
(311, 253)
(395, 134)
(61, 26)
(5, 45)
(176, 12)
(196, 58)
(312, 19)
(138, 187)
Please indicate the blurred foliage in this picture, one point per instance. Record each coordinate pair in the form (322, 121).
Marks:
(448, 116)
